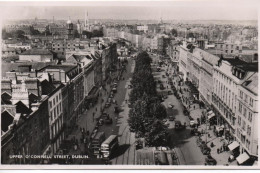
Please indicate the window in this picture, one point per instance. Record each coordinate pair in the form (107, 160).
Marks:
(240, 107)
(53, 101)
(57, 99)
(231, 51)
(241, 94)
(245, 111)
(51, 115)
(246, 98)
(244, 125)
(50, 103)
(248, 130)
(58, 109)
(239, 120)
(251, 101)
(54, 111)
(250, 116)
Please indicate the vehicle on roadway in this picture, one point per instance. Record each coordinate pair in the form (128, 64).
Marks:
(109, 145)
(114, 89)
(178, 125)
(193, 123)
(108, 120)
(170, 105)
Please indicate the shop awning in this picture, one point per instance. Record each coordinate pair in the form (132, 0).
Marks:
(242, 158)
(211, 115)
(233, 145)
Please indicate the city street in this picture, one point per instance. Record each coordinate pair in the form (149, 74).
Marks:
(184, 144)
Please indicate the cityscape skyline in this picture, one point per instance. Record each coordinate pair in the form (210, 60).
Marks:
(132, 10)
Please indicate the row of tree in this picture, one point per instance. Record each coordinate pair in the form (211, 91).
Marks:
(147, 113)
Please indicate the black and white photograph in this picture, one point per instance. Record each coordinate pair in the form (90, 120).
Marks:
(129, 84)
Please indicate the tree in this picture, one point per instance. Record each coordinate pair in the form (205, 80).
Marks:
(174, 32)
(34, 32)
(137, 117)
(97, 33)
(76, 34)
(158, 111)
(6, 35)
(87, 33)
(191, 35)
(157, 135)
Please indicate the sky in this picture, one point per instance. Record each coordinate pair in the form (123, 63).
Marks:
(143, 10)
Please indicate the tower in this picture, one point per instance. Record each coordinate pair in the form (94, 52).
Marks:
(86, 22)
(70, 29)
(79, 27)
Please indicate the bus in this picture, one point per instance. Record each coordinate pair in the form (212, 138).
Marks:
(109, 145)
(96, 143)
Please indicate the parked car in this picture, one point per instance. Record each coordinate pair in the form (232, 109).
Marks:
(170, 105)
(100, 122)
(161, 87)
(171, 118)
(108, 120)
(209, 160)
(107, 105)
(195, 132)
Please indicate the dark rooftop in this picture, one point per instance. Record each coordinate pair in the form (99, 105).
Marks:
(248, 67)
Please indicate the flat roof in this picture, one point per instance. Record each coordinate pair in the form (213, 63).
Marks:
(66, 68)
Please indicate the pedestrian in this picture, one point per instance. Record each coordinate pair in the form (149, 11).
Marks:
(194, 106)
(218, 150)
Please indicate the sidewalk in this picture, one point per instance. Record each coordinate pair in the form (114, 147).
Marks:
(88, 121)
(221, 158)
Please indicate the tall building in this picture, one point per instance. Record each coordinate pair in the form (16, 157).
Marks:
(86, 22)
(69, 29)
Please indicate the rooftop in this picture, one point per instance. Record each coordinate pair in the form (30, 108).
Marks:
(252, 83)
(66, 68)
(37, 52)
(248, 66)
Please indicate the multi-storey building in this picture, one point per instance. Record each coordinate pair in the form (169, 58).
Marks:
(228, 48)
(183, 61)
(228, 75)
(25, 115)
(72, 77)
(56, 122)
(206, 76)
(247, 115)
(143, 28)
(173, 51)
